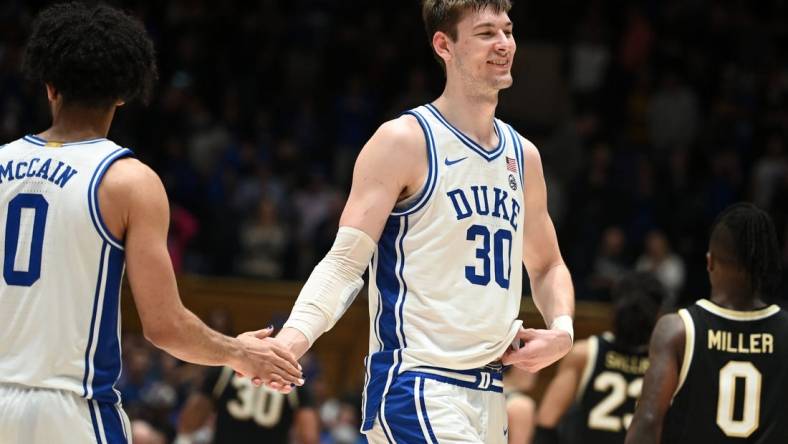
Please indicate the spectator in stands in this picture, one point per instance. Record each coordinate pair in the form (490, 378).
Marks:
(769, 171)
(662, 262)
(673, 115)
(263, 240)
(610, 263)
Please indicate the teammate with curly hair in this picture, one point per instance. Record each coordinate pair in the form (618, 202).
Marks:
(93, 56)
(76, 210)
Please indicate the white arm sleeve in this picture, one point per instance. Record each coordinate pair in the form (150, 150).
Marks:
(333, 284)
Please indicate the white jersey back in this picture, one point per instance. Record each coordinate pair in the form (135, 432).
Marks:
(446, 279)
(62, 269)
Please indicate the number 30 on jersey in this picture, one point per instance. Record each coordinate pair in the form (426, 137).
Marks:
(501, 262)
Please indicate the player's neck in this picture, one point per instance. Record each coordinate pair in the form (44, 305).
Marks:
(737, 299)
(471, 114)
(77, 124)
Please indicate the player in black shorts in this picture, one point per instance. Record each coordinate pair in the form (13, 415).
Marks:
(719, 369)
(246, 413)
(592, 398)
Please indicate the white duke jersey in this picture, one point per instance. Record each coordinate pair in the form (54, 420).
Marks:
(446, 278)
(62, 269)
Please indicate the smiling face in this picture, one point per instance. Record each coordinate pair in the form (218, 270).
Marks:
(482, 54)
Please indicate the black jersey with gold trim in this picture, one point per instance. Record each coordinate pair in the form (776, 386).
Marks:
(606, 396)
(250, 414)
(733, 381)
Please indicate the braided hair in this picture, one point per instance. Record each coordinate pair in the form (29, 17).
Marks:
(746, 235)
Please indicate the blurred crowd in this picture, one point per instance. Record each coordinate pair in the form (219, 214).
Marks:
(650, 118)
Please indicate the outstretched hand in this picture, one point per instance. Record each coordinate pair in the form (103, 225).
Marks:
(540, 349)
(268, 362)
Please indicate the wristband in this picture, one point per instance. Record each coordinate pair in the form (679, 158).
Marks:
(564, 323)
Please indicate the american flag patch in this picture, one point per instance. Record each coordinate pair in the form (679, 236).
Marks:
(511, 164)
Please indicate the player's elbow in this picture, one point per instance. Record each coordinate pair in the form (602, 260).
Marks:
(540, 268)
(166, 326)
(156, 335)
(162, 334)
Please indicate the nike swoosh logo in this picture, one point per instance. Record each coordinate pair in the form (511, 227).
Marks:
(452, 162)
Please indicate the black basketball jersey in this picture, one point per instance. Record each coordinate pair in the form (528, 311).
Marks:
(733, 383)
(606, 397)
(250, 414)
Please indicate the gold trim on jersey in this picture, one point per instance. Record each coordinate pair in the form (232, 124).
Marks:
(292, 398)
(221, 383)
(737, 315)
(53, 145)
(593, 349)
(689, 348)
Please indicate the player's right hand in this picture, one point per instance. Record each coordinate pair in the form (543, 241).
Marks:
(540, 348)
(268, 362)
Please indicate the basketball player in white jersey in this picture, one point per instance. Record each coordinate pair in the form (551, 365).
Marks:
(75, 209)
(446, 202)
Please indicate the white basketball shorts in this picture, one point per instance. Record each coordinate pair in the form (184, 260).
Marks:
(43, 416)
(432, 405)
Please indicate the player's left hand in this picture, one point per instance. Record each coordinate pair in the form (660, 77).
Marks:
(540, 349)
